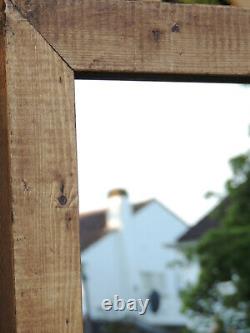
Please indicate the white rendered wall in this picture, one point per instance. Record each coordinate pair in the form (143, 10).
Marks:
(119, 262)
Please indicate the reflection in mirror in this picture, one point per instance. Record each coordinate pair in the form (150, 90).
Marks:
(152, 243)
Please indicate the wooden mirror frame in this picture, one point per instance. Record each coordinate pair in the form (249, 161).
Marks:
(44, 45)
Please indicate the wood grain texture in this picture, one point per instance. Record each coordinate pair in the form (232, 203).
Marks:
(143, 36)
(40, 220)
(241, 3)
(7, 288)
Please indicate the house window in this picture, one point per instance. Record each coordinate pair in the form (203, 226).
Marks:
(153, 280)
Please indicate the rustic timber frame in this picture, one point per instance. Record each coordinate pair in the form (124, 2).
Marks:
(44, 45)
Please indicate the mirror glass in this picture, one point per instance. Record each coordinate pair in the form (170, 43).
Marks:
(162, 208)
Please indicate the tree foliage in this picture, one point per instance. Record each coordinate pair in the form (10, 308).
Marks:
(223, 255)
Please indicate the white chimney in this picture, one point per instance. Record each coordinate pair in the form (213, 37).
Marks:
(119, 209)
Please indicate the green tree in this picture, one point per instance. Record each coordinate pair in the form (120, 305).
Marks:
(223, 255)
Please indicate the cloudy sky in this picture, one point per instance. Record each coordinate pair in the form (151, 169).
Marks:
(170, 141)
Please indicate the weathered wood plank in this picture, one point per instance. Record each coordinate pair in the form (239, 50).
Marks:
(143, 36)
(241, 3)
(39, 200)
(7, 289)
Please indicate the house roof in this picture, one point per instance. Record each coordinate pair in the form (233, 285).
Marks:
(93, 225)
(92, 228)
(138, 206)
(198, 230)
(210, 221)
